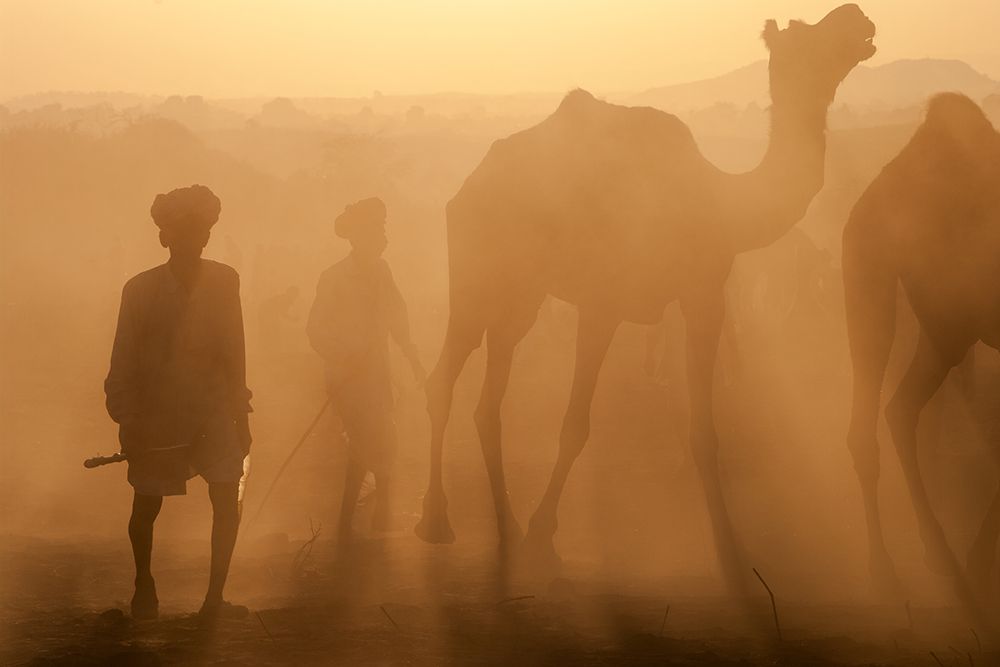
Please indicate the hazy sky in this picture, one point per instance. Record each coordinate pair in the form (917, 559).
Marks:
(224, 48)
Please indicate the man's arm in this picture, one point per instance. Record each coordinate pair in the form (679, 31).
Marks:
(323, 324)
(122, 385)
(236, 365)
(399, 327)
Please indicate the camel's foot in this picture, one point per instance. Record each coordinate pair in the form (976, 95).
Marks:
(884, 581)
(539, 554)
(434, 526)
(940, 561)
(538, 551)
(510, 532)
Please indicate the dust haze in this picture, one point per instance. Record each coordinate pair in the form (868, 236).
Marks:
(689, 221)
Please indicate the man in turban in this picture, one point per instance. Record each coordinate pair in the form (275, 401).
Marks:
(177, 388)
(358, 307)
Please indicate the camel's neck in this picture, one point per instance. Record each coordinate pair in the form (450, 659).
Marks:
(769, 200)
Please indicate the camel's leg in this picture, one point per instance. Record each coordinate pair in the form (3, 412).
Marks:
(501, 342)
(870, 300)
(459, 342)
(704, 314)
(982, 556)
(922, 379)
(594, 333)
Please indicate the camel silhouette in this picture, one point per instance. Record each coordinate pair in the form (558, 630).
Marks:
(930, 221)
(615, 210)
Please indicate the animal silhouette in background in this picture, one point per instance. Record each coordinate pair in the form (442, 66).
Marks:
(930, 222)
(615, 210)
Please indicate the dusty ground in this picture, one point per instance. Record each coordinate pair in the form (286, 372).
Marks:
(395, 601)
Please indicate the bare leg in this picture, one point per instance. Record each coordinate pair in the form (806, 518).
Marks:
(225, 524)
(500, 351)
(922, 379)
(459, 343)
(594, 334)
(382, 517)
(870, 295)
(145, 509)
(704, 313)
(353, 479)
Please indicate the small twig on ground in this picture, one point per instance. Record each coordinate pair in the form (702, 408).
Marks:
(257, 614)
(515, 599)
(774, 607)
(972, 663)
(936, 659)
(305, 551)
(909, 615)
(978, 643)
(664, 623)
(391, 620)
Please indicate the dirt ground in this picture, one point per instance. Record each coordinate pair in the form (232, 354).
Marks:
(396, 601)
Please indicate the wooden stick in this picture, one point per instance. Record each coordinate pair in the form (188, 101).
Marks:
(288, 460)
(664, 623)
(394, 624)
(936, 659)
(774, 607)
(515, 599)
(978, 643)
(257, 613)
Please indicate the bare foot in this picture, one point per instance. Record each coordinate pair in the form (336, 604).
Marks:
(220, 609)
(145, 605)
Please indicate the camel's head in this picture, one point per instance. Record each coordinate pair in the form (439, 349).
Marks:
(808, 62)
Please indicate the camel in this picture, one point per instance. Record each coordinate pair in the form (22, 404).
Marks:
(615, 210)
(930, 222)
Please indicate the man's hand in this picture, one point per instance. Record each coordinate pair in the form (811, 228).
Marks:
(130, 436)
(243, 432)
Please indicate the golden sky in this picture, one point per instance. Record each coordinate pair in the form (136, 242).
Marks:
(235, 48)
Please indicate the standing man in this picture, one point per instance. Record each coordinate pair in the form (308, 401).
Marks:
(357, 308)
(177, 388)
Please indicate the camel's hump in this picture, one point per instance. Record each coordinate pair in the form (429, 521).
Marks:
(954, 116)
(581, 103)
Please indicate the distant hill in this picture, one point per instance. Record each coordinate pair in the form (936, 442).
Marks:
(897, 84)
(902, 83)
(75, 100)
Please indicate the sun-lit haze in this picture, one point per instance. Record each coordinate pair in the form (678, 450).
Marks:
(558, 332)
(234, 48)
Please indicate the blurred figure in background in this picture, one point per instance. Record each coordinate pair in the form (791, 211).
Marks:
(276, 312)
(357, 308)
(177, 388)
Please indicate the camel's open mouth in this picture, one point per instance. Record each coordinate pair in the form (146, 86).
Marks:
(867, 46)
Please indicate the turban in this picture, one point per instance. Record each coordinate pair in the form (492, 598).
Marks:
(359, 215)
(183, 207)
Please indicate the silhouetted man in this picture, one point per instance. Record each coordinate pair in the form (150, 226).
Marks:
(357, 308)
(177, 388)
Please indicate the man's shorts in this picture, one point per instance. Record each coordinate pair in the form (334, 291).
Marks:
(163, 471)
